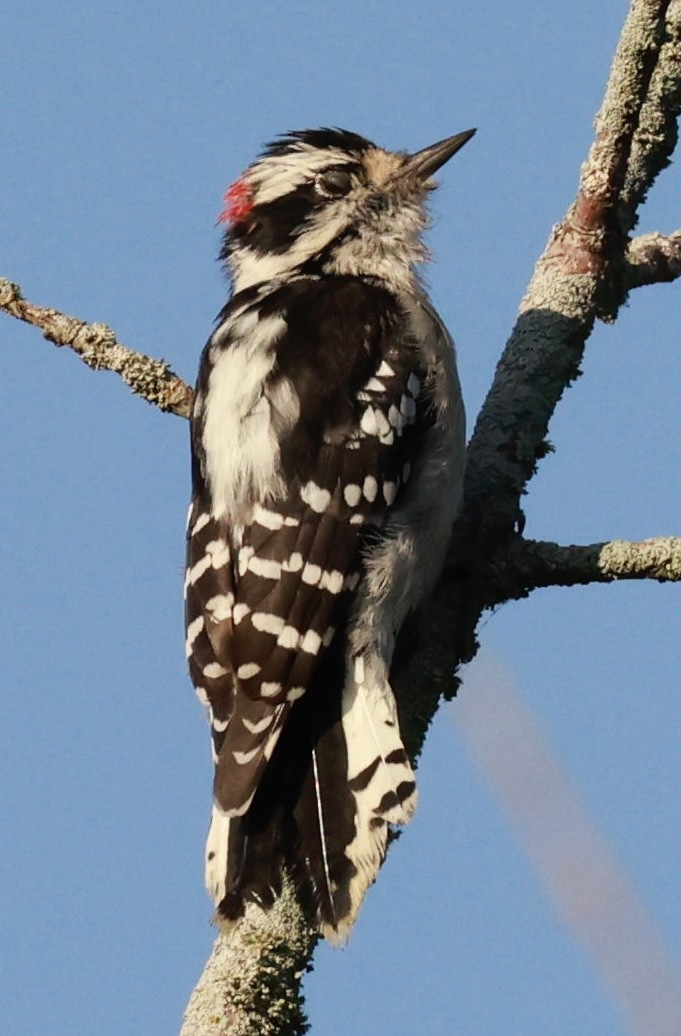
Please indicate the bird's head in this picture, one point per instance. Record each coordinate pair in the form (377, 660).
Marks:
(330, 201)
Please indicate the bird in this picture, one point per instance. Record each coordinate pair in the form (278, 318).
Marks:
(327, 448)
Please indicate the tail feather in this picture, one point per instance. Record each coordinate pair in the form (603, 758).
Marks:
(248, 744)
(337, 777)
(379, 775)
(325, 821)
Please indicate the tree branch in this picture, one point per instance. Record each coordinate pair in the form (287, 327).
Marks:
(525, 565)
(577, 280)
(657, 130)
(653, 259)
(611, 187)
(250, 985)
(98, 347)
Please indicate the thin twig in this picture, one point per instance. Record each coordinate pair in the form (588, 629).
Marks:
(653, 259)
(98, 347)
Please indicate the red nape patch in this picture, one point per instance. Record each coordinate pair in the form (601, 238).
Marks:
(238, 201)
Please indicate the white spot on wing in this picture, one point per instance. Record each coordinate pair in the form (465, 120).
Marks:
(389, 491)
(269, 689)
(368, 421)
(248, 670)
(241, 610)
(266, 622)
(332, 581)
(200, 523)
(311, 574)
(370, 488)
(214, 670)
(193, 630)
(245, 555)
(352, 494)
(311, 643)
(315, 497)
(220, 607)
(264, 567)
(219, 553)
(268, 519)
(382, 425)
(197, 570)
(294, 563)
(288, 638)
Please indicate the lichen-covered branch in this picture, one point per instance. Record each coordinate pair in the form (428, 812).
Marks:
(525, 565)
(577, 280)
(602, 215)
(251, 983)
(657, 126)
(98, 347)
(653, 259)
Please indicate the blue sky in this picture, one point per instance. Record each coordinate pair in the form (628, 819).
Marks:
(121, 126)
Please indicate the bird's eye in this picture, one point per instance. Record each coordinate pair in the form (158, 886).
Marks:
(333, 183)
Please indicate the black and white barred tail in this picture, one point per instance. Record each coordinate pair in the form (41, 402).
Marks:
(334, 782)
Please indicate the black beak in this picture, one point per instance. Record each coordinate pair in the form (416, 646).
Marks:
(423, 164)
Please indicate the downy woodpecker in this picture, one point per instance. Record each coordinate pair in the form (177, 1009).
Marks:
(328, 455)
